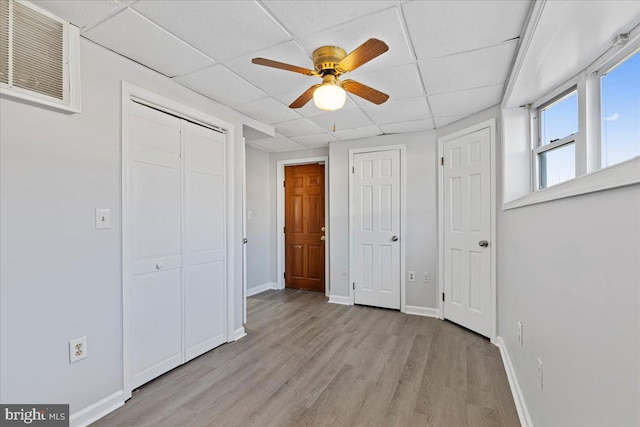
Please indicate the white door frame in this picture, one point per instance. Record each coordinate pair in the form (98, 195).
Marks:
(403, 218)
(280, 215)
(129, 94)
(491, 125)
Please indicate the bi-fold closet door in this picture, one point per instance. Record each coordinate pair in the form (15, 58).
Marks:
(177, 296)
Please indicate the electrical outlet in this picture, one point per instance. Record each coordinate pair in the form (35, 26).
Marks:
(412, 276)
(540, 373)
(77, 349)
(426, 277)
(520, 336)
(103, 218)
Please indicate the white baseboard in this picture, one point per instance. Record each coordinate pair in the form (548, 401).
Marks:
(335, 299)
(239, 333)
(94, 412)
(261, 288)
(422, 311)
(518, 398)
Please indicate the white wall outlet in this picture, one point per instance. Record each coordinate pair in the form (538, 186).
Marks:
(520, 336)
(412, 276)
(103, 218)
(540, 373)
(426, 277)
(77, 349)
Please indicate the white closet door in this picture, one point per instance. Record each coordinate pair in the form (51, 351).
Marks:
(155, 338)
(204, 243)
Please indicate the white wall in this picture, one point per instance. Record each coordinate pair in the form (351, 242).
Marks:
(259, 254)
(61, 278)
(421, 212)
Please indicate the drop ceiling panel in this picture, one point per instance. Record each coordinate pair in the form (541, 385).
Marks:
(443, 121)
(135, 37)
(278, 145)
(366, 132)
(306, 17)
(298, 127)
(267, 110)
(465, 101)
(344, 119)
(439, 28)
(272, 80)
(384, 25)
(221, 29)
(399, 82)
(484, 67)
(399, 111)
(309, 109)
(90, 13)
(404, 127)
(222, 85)
(315, 141)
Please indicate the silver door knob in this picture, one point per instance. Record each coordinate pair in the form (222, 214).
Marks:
(394, 239)
(245, 240)
(159, 265)
(483, 243)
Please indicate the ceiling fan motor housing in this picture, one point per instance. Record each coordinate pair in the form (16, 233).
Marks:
(327, 58)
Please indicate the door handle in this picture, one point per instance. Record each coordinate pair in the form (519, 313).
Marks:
(159, 265)
(394, 239)
(483, 243)
(245, 240)
(323, 229)
(323, 238)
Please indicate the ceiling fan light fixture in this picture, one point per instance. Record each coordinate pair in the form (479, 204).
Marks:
(329, 96)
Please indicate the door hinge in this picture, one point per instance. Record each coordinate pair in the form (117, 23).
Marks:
(284, 183)
(443, 297)
(353, 169)
(441, 161)
(285, 276)
(284, 230)
(353, 286)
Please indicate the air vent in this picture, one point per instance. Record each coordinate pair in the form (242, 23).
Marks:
(38, 55)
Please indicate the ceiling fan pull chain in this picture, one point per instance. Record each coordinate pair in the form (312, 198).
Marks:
(334, 122)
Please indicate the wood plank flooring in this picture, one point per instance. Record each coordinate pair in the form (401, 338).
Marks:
(305, 362)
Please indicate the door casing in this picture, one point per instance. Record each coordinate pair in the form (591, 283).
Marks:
(280, 165)
(491, 124)
(403, 220)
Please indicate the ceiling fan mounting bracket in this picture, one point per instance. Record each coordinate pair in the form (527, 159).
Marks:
(327, 58)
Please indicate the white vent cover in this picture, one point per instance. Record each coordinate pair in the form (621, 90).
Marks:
(35, 53)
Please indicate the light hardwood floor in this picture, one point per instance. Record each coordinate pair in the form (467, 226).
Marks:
(305, 362)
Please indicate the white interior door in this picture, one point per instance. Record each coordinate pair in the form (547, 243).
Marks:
(467, 227)
(204, 241)
(376, 221)
(156, 287)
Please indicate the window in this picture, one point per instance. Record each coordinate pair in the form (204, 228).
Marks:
(620, 111)
(38, 56)
(557, 129)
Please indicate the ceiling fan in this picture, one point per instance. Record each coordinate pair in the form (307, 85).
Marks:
(330, 62)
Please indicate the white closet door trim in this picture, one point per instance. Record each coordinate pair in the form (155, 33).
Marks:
(133, 93)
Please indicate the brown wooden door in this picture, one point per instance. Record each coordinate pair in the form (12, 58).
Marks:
(304, 227)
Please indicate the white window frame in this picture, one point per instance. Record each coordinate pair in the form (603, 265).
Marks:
(590, 175)
(71, 78)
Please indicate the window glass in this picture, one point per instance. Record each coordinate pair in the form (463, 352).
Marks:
(620, 98)
(557, 165)
(559, 119)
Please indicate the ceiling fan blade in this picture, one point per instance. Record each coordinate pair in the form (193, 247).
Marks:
(364, 91)
(283, 66)
(364, 53)
(304, 98)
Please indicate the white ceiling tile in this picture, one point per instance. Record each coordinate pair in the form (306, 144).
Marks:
(384, 25)
(439, 28)
(315, 141)
(399, 111)
(135, 37)
(484, 67)
(297, 127)
(398, 82)
(267, 110)
(272, 80)
(404, 127)
(343, 119)
(221, 29)
(443, 121)
(466, 101)
(309, 109)
(306, 17)
(278, 145)
(365, 132)
(220, 84)
(82, 14)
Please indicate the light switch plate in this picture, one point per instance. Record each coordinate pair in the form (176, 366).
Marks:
(103, 218)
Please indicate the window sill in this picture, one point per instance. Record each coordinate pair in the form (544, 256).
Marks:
(620, 175)
(38, 101)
